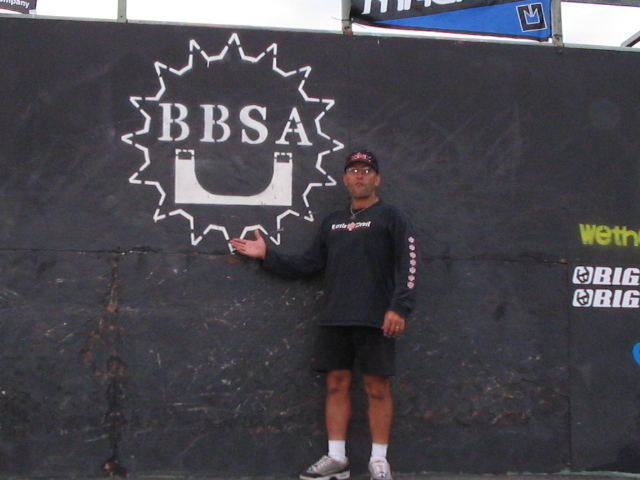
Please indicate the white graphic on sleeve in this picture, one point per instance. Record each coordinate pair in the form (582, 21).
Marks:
(411, 279)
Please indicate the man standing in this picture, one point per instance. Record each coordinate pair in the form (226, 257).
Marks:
(369, 258)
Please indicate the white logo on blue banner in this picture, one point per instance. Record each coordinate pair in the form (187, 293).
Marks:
(519, 19)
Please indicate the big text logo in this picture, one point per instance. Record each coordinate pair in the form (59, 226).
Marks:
(232, 142)
(606, 287)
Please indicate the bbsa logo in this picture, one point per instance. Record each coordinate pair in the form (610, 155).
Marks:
(232, 142)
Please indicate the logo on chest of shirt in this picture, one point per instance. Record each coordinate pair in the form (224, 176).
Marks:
(351, 226)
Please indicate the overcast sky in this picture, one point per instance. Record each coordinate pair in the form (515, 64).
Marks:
(583, 24)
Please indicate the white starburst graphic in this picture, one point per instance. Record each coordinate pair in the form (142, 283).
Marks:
(168, 157)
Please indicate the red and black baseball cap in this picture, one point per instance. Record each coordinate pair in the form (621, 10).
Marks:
(362, 156)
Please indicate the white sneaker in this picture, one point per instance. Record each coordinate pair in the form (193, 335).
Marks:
(379, 469)
(327, 468)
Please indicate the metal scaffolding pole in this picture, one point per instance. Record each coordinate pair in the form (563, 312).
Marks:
(631, 41)
(122, 10)
(556, 22)
(346, 17)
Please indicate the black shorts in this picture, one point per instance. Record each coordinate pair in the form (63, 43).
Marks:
(338, 348)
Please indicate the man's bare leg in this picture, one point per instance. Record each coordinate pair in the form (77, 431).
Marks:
(378, 389)
(335, 465)
(338, 404)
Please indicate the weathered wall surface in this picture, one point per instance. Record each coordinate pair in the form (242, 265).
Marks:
(129, 154)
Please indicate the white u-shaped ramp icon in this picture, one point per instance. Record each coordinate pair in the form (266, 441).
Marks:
(189, 190)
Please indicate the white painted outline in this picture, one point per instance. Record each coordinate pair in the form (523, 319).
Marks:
(162, 69)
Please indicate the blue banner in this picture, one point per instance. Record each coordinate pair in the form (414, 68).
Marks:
(518, 19)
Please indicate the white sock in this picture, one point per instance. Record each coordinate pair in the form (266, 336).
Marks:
(337, 450)
(378, 451)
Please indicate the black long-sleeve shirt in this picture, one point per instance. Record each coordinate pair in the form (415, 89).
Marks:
(370, 265)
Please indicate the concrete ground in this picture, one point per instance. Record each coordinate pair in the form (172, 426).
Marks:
(423, 476)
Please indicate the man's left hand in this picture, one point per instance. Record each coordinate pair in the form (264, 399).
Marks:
(394, 324)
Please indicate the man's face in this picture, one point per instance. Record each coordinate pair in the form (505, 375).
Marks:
(361, 180)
